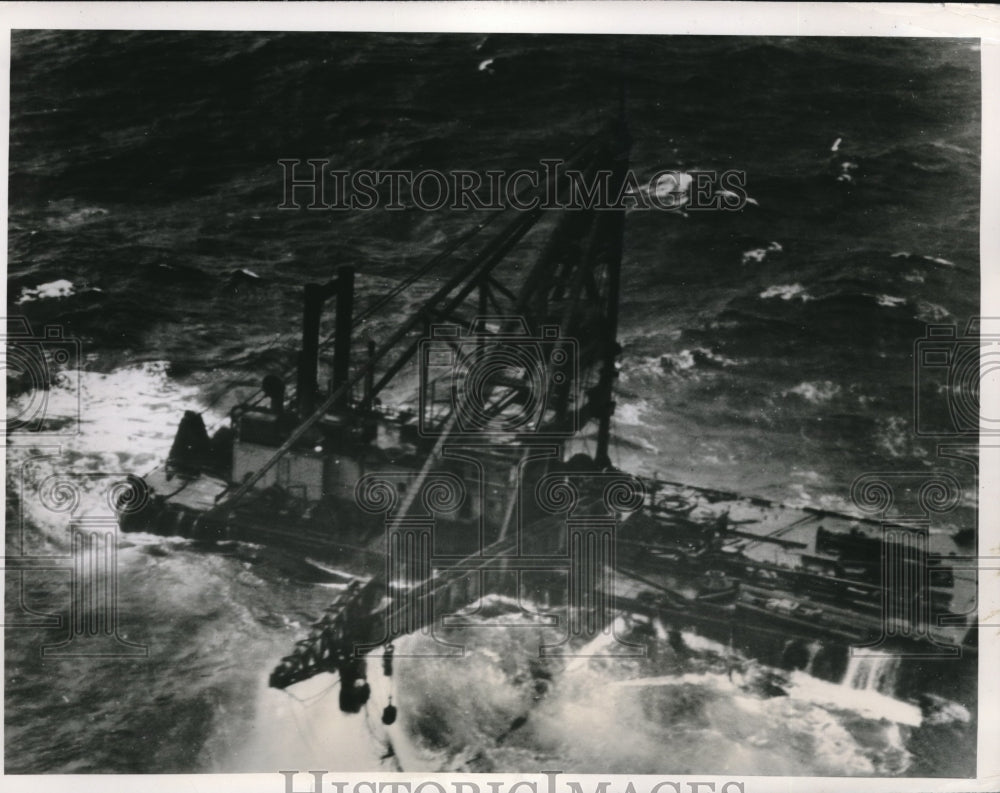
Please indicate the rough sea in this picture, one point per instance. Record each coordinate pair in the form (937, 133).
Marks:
(768, 352)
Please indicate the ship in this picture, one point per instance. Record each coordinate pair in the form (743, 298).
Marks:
(496, 478)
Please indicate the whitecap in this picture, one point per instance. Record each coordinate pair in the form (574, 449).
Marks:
(689, 359)
(741, 197)
(644, 366)
(485, 65)
(894, 438)
(846, 168)
(931, 312)
(695, 641)
(759, 254)
(631, 413)
(52, 289)
(705, 355)
(939, 260)
(808, 475)
(888, 301)
(948, 146)
(77, 217)
(672, 189)
(867, 703)
(934, 259)
(677, 361)
(836, 144)
(943, 711)
(787, 292)
(816, 393)
(139, 402)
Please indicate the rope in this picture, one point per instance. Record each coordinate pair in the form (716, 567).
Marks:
(383, 739)
(315, 698)
(411, 279)
(303, 733)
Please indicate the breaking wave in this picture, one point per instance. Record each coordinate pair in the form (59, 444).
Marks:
(787, 292)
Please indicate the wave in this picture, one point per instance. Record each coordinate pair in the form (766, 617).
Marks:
(89, 413)
(70, 218)
(787, 292)
(932, 312)
(851, 300)
(686, 360)
(485, 712)
(847, 170)
(894, 438)
(52, 290)
(689, 363)
(925, 157)
(631, 413)
(757, 255)
(817, 393)
(906, 255)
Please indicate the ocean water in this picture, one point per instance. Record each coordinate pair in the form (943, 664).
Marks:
(768, 351)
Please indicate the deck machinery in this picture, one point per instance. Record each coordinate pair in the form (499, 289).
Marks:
(497, 477)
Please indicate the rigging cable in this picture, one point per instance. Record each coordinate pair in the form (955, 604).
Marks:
(303, 733)
(453, 246)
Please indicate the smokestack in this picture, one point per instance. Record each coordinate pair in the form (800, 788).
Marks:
(312, 306)
(342, 332)
(313, 297)
(274, 389)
